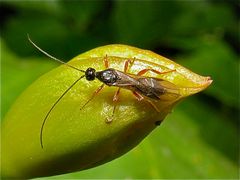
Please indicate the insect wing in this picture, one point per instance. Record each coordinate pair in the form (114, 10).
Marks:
(171, 91)
(162, 89)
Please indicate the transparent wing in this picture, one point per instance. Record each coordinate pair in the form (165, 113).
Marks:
(170, 90)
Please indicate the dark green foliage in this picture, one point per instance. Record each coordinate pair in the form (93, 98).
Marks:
(198, 140)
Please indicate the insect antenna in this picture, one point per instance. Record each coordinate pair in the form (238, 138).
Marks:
(47, 115)
(50, 56)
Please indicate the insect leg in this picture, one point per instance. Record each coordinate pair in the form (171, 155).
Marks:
(153, 105)
(115, 100)
(140, 97)
(93, 95)
(106, 63)
(153, 70)
(126, 64)
(45, 119)
(116, 95)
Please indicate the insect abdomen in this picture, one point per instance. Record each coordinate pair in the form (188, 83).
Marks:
(150, 87)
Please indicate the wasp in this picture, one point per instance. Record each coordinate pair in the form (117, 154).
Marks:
(143, 88)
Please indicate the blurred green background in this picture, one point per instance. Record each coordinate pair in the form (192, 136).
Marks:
(200, 139)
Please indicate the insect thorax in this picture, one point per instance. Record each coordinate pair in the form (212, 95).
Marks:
(108, 76)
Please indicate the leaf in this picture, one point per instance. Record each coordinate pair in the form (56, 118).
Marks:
(156, 20)
(17, 74)
(63, 22)
(216, 58)
(77, 139)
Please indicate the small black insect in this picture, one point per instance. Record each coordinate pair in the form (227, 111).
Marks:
(147, 88)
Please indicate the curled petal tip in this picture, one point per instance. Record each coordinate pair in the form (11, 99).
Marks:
(208, 82)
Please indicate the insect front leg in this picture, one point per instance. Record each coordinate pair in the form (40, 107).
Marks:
(116, 95)
(126, 64)
(93, 95)
(115, 101)
(106, 62)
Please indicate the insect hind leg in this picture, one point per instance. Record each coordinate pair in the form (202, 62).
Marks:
(140, 73)
(140, 98)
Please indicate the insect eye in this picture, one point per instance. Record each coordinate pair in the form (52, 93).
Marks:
(90, 74)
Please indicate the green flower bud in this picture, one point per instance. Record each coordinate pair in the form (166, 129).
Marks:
(76, 138)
